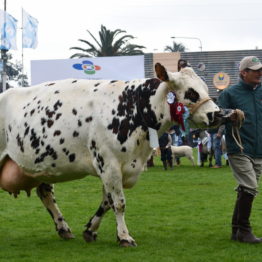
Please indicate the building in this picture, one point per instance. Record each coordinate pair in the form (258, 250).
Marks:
(205, 64)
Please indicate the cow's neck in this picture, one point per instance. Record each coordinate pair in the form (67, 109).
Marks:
(155, 113)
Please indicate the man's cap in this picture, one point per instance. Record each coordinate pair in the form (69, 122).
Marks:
(250, 62)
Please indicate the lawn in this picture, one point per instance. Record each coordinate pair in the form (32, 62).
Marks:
(176, 215)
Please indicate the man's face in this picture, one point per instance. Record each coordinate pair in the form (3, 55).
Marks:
(252, 77)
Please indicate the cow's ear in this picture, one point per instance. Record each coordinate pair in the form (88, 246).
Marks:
(161, 72)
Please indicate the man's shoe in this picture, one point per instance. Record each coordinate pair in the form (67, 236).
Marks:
(247, 237)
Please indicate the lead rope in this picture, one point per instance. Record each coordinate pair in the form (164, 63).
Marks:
(240, 117)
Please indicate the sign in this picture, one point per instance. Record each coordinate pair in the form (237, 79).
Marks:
(221, 80)
(109, 68)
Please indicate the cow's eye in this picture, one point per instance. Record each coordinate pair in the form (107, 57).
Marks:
(192, 95)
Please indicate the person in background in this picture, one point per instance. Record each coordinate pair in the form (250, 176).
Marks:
(165, 142)
(245, 163)
(216, 137)
(176, 139)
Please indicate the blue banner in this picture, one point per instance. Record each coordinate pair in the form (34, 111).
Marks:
(30, 28)
(8, 25)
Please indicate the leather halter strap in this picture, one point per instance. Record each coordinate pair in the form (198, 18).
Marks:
(193, 107)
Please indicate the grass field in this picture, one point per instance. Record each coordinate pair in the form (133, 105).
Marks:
(178, 215)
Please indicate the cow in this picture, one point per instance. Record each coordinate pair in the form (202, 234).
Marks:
(64, 130)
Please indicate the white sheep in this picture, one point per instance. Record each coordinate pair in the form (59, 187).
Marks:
(180, 151)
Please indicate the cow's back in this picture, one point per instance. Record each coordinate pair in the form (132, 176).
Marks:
(55, 127)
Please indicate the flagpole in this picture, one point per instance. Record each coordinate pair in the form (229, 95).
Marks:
(22, 84)
(4, 56)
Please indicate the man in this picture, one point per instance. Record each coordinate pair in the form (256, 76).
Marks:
(246, 164)
(165, 142)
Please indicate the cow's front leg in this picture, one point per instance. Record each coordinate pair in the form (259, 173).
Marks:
(114, 190)
(92, 226)
(46, 194)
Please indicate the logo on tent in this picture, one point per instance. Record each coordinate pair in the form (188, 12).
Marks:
(87, 66)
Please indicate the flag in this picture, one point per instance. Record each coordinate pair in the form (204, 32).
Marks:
(8, 25)
(29, 34)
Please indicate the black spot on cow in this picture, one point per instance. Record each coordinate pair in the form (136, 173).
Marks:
(134, 110)
(72, 157)
(25, 124)
(25, 114)
(100, 161)
(57, 105)
(74, 111)
(113, 81)
(123, 149)
(26, 131)
(56, 92)
(43, 130)
(95, 90)
(100, 211)
(35, 140)
(113, 111)
(137, 142)
(37, 151)
(49, 113)
(49, 151)
(43, 121)
(97, 84)
(74, 81)
(192, 95)
(57, 133)
(93, 145)
(32, 112)
(89, 119)
(58, 116)
(53, 165)
(50, 123)
(114, 125)
(65, 151)
(75, 134)
(79, 123)
(39, 102)
(20, 143)
(34, 98)
(50, 84)
(42, 143)
(9, 128)
(61, 141)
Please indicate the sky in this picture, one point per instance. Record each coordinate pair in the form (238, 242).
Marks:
(216, 25)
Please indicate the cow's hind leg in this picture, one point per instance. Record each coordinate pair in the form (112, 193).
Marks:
(92, 226)
(46, 194)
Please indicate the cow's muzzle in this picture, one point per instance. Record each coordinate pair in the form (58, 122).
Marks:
(235, 116)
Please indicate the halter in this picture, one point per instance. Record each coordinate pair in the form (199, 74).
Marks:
(194, 107)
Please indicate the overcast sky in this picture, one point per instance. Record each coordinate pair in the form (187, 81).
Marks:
(220, 25)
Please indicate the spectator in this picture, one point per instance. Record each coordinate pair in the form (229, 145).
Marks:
(216, 144)
(165, 142)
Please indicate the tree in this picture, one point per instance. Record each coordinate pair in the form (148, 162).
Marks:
(14, 72)
(176, 47)
(108, 45)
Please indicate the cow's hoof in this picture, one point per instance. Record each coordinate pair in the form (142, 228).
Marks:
(89, 236)
(126, 243)
(65, 234)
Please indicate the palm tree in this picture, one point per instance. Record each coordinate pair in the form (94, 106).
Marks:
(108, 45)
(177, 47)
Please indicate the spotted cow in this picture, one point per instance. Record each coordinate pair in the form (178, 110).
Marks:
(65, 130)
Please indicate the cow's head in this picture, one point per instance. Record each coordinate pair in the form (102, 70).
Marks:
(191, 91)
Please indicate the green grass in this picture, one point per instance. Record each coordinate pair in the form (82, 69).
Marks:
(178, 215)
